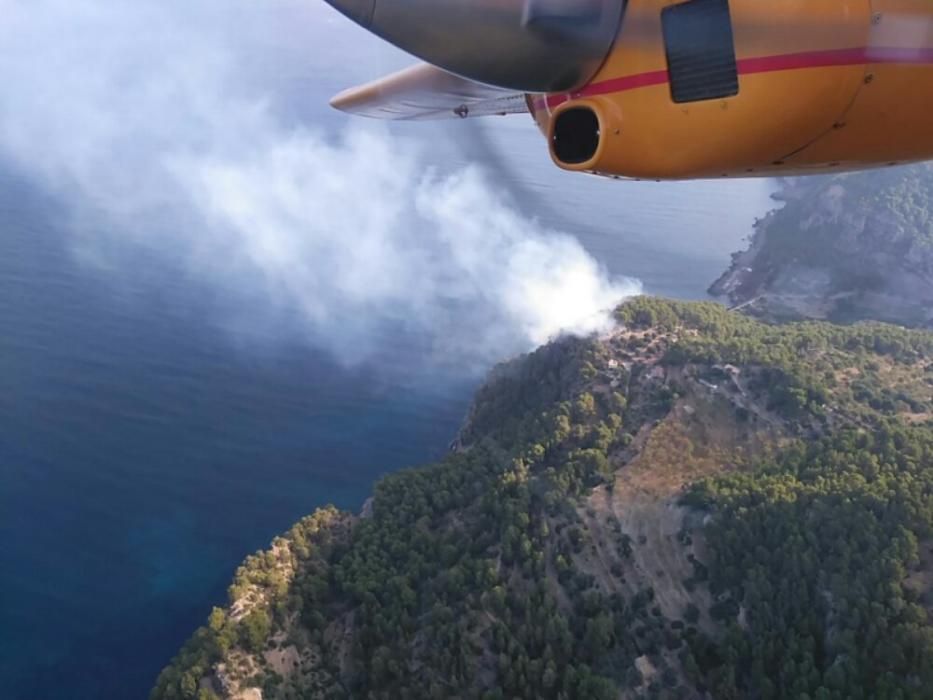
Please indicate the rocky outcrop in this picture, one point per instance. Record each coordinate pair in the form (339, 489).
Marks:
(843, 248)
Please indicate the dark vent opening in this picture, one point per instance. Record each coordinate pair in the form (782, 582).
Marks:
(576, 135)
(700, 50)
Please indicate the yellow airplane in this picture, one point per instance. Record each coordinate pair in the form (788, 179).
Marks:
(666, 89)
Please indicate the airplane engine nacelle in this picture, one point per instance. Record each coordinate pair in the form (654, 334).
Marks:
(670, 89)
(726, 88)
(523, 45)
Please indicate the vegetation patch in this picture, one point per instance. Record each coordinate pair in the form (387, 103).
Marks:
(697, 505)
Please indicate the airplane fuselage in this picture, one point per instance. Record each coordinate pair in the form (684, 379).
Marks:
(809, 86)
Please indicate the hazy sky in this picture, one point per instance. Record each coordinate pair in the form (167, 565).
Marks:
(201, 130)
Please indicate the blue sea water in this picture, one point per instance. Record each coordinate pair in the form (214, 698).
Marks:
(143, 455)
(144, 451)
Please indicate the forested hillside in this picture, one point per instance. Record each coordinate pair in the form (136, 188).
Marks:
(844, 247)
(697, 505)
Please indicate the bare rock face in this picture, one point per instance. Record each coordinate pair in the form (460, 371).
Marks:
(843, 248)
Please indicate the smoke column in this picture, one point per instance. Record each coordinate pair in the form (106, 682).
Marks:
(156, 123)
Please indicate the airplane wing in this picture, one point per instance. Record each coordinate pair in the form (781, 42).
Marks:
(425, 92)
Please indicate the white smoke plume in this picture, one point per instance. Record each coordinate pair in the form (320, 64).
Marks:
(160, 121)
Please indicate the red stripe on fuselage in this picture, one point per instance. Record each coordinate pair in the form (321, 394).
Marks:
(750, 66)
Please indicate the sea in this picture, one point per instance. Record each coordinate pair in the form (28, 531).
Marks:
(145, 451)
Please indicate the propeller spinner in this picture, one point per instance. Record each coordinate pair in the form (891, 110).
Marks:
(522, 45)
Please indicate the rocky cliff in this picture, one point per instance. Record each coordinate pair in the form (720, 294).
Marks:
(844, 248)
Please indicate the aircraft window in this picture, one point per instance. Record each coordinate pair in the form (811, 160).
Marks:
(700, 50)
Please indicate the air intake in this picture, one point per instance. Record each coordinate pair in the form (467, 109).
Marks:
(576, 135)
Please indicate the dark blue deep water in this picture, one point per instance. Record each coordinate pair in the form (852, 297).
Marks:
(143, 455)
